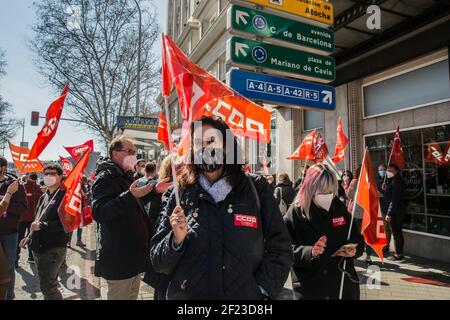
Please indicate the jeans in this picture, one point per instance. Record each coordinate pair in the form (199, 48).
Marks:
(24, 228)
(9, 243)
(397, 233)
(48, 264)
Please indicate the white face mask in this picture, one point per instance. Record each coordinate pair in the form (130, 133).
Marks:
(49, 181)
(129, 162)
(324, 200)
(389, 174)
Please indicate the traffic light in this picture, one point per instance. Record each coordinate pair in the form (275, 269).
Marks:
(34, 118)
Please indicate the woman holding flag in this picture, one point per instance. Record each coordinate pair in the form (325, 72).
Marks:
(318, 223)
(227, 239)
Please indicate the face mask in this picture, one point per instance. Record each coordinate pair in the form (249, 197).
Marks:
(209, 159)
(33, 177)
(346, 178)
(49, 181)
(129, 162)
(382, 173)
(389, 174)
(324, 201)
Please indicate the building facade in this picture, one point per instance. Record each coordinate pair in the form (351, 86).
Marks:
(397, 75)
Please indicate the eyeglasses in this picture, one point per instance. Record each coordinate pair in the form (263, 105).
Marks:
(341, 268)
(129, 151)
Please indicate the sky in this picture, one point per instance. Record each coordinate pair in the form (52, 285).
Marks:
(26, 90)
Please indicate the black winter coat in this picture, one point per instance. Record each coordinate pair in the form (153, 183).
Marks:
(286, 190)
(393, 199)
(230, 249)
(320, 278)
(123, 234)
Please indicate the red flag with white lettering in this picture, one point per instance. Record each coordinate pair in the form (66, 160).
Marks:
(51, 125)
(77, 152)
(367, 198)
(319, 149)
(199, 93)
(66, 165)
(20, 156)
(305, 150)
(397, 156)
(70, 209)
(447, 154)
(341, 144)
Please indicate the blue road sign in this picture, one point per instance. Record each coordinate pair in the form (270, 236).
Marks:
(282, 91)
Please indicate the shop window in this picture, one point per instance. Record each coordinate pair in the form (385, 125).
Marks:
(312, 120)
(412, 89)
(426, 174)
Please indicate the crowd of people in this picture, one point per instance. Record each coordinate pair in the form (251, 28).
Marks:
(218, 233)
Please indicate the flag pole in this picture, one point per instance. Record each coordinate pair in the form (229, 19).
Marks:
(172, 159)
(350, 229)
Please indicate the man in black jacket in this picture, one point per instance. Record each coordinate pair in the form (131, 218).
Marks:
(9, 221)
(123, 225)
(48, 240)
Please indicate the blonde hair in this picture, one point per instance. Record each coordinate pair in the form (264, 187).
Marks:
(319, 178)
(165, 171)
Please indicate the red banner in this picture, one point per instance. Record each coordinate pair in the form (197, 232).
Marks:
(199, 94)
(20, 156)
(319, 149)
(305, 150)
(70, 210)
(367, 198)
(51, 125)
(341, 144)
(66, 165)
(397, 156)
(77, 152)
(447, 154)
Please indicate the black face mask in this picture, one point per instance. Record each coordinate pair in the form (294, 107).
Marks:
(209, 159)
(33, 177)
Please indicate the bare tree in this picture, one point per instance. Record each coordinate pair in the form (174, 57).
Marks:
(8, 126)
(93, 44)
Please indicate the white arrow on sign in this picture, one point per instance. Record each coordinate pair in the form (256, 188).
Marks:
(328, 97)
(240, 16)
(240, 48)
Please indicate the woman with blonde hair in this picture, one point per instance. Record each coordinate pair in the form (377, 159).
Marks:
(318, 224)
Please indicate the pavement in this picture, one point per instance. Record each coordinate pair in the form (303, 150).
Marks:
(413, 279)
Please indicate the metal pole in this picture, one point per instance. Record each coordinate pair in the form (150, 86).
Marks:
(172, 158)
(23, 132)
(138, 80)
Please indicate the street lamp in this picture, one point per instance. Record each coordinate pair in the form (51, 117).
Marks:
(138, 80)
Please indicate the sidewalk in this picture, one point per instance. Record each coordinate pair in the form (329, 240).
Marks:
(415, 278)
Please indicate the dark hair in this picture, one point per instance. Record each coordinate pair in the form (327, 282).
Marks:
(55, 167)
(3, 162)
(117, 144)
(150, 167)
(393, 165)
(347, 173)
(188, 173)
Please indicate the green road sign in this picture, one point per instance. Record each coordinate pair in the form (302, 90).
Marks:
(242, 20)
(279, 60)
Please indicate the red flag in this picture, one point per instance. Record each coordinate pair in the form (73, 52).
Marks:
(199, 94)
(434, 153)
(51, 125)
(447, 154)
(305, 150)
(367, 198)
(70, 209)
(66, 165)
(20, 156)
(341, 144)
(319, 149)
(77, 152)
(163, 131)
(397, 151)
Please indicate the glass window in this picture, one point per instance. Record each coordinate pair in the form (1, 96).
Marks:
(417, 87)
(426, 174)
(312, 119)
